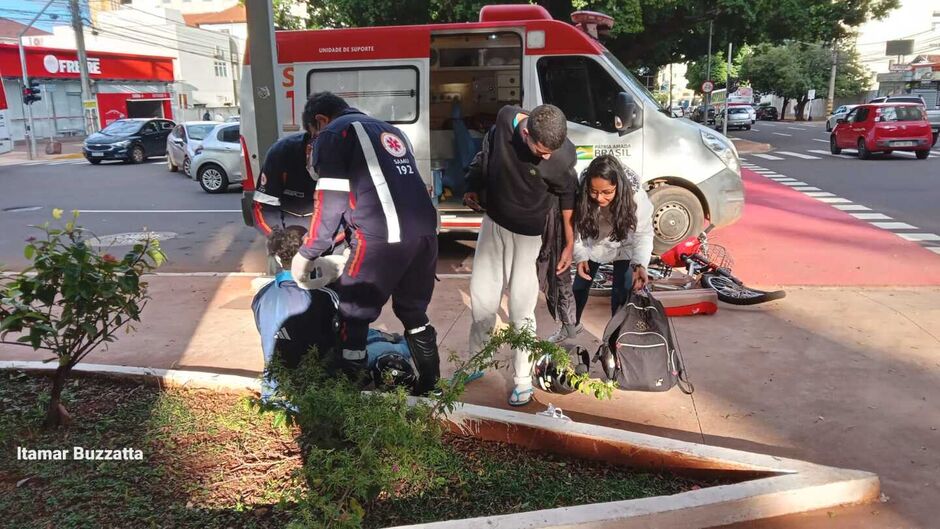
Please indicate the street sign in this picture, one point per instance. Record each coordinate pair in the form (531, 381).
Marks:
(811, 95)
(707, 87)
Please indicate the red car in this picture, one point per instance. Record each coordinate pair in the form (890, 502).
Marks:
(883, 127)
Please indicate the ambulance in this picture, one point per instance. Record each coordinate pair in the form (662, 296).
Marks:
(443, 84)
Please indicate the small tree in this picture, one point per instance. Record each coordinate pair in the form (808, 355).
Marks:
(73, 298)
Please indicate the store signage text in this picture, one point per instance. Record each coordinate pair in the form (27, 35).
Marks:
(55, 65)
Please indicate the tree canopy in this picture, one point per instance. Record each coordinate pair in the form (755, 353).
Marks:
(647, 33)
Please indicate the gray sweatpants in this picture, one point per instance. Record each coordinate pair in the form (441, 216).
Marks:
(504, 259)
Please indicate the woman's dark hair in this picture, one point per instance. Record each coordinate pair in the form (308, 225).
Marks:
(325, 103)
(284, 243)
(622, 207)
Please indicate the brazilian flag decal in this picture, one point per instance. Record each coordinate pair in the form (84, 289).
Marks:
(585, 152)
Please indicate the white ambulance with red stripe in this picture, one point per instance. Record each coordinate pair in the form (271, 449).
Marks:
(443, 84)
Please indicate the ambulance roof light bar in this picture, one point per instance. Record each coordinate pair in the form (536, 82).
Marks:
(513, 13)
(593, 23)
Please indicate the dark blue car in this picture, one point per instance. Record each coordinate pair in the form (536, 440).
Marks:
(129, 140)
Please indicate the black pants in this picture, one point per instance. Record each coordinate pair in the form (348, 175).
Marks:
(377, 270)
(620, 293)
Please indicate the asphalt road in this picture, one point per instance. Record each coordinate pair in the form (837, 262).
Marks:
(897, 186)
(204, 233)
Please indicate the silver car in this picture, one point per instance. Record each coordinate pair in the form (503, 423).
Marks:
(838, 114)
(182, 143)
(218, 162)
(738, 117)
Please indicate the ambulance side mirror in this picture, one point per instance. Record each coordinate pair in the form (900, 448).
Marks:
(627, 116)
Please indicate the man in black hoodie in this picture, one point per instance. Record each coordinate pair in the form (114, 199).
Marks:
(527, 160)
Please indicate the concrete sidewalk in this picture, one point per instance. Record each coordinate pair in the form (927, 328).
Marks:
(844, 377)
(71, 149)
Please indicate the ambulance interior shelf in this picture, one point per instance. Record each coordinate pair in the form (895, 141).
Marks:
(472, 76)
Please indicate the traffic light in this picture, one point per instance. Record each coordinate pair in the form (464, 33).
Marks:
(31, 93)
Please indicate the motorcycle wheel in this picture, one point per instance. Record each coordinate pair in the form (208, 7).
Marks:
(735, 293)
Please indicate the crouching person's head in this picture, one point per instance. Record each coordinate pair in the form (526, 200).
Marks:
(283, 244)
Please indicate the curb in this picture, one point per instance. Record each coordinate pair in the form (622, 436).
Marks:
(72, 156)
(773, 486)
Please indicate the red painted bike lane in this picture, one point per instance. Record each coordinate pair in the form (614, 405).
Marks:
(788, 238)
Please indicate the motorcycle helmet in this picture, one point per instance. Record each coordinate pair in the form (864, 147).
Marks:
(393, 370)
(548, 377)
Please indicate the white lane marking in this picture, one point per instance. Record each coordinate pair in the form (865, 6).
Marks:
(159, 211)
(799, 155)
(893, 225)
(756, 130)
(797, 128)
(852, 207)
(871, 216)
(934, 249)
(784, 179)
(820, 194)
(807, 188)
(768, 157)
(827, 153)
(919, 237)
(794, 184)
(834, 200)
(822, 141)
(783, 134)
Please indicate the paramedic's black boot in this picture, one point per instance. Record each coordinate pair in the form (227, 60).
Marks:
(423, 345)
(355, 365)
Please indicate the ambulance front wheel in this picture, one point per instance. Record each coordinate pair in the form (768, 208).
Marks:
(677, 215)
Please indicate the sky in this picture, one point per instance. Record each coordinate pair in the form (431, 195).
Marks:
(23, 10)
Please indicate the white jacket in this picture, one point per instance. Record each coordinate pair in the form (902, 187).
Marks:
(638, 248)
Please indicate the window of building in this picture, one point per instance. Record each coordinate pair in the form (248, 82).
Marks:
(221, 69)
(389, 94)
(581, 88)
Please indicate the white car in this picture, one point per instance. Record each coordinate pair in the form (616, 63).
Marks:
(838, 114)
(218, 162)
(182, 143)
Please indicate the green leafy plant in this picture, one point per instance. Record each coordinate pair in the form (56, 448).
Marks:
(360, 447)
(73, 298)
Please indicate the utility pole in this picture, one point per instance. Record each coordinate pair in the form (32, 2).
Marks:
(78, 27)
(261, 50)
(727, 92)
(670, 88)
(832, 77)
(708, 71)
(27, 111)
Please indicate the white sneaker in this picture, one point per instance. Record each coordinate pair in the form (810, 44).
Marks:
(566, 332)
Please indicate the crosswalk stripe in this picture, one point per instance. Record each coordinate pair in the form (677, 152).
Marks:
(796, 128)
(818, 194)
(851, 207)
(819, 140)
(783, 134)
(793, 184)
(834, 200)
(870, 216)
(798, 155)
(808, 188)
(894, 225)
(784, 179)
(768, 156)
(920, 237)
(827, 153)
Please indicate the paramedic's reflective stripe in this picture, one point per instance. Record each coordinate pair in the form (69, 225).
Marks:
(381, 185)
(333, 184)
(266, 199)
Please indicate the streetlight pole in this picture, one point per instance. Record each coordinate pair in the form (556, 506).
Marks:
(708, 70)
(30, 138)
(832, 77)
(78, 28)
(727, 92)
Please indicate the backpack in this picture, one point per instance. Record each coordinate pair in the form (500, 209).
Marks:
(638, 351)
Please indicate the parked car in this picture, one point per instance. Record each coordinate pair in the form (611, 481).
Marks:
(218, 162)
(738, 117)
(699, 112)
(677, 111)
(838, 114)
(182, 143)
(131, 140)
(883, 127)
(752, 113)
(233, 119)
(899, 99)
(767, 113)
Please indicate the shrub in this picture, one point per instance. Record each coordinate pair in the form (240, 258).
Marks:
(73, 298)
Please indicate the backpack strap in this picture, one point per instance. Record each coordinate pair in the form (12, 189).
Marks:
(683, 378)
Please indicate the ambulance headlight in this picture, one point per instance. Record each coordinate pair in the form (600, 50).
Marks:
(723, 149)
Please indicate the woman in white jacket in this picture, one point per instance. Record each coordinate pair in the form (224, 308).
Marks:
(613, 223)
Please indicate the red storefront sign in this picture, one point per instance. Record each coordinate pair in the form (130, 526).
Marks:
(63, 64)
(112, 107)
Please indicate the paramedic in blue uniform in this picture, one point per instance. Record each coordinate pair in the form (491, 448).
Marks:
(369, 184)
(284, 190)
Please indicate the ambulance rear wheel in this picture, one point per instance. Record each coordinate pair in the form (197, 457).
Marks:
(677, 215)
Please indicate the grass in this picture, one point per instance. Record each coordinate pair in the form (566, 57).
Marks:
(211, 461)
